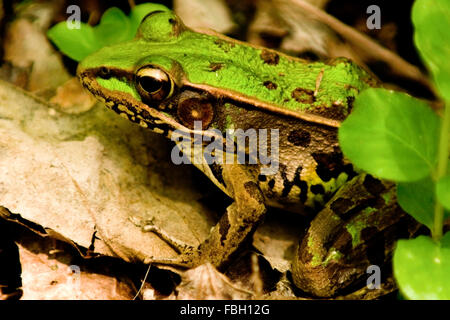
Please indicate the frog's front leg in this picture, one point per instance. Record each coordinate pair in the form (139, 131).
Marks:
(357, 228)
(235, 226)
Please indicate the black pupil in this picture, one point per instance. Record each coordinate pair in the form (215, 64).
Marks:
(150, 84)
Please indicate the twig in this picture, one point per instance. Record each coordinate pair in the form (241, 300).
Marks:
(370, 47)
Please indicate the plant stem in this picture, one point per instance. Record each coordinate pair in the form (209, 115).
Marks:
(441, 171)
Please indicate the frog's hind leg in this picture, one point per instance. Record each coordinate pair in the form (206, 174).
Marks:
(357, 228)
(240, 220)
(233, 229)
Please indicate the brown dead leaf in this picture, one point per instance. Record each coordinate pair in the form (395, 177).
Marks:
(44, 278)
(72, 98)
(94, 173)
(211, 14)
(278, 236)
(296, 29)
(26, 46)
(206, 283)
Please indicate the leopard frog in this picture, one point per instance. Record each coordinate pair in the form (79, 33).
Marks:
(172, 80)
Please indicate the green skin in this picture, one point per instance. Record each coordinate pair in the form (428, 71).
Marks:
(229, 84)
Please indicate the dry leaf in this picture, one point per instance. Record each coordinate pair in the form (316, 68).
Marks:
(44, 278)
(72, 98)
(297, 31)
(95, 174)
(206, 283)
(26, 46)
(211, 14)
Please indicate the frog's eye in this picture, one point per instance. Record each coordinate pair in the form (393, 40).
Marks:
(153, 84)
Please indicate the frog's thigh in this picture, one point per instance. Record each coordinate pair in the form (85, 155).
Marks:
(357, 228)
(239, 221)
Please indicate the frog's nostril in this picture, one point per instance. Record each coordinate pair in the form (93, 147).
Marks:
(104, 73)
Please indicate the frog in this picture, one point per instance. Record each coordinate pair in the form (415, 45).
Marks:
(172, 79)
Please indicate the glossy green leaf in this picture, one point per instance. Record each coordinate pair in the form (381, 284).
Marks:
(391, 135)
(422, 268)
(75, 43)
(114, 27)
(417, 198)
(443, 191)
(431, 20)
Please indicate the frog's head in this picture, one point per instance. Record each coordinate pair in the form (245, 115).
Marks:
(140, 82)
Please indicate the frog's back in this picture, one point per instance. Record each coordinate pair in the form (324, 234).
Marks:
(268, 79)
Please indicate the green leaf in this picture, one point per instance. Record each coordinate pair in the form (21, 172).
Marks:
(431, 20)
(443, 191)
(421, 268)
(75, 43)
(114, 27)
(417, 198)
(391, 135)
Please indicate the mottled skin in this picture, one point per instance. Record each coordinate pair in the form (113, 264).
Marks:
(228, 84)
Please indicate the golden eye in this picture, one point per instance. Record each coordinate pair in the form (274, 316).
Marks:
(153, 84)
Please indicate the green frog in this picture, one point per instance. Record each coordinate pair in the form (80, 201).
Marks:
(201, 86)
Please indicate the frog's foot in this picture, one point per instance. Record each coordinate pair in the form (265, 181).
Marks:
(176, 244)
(356, 229)
(187, 254)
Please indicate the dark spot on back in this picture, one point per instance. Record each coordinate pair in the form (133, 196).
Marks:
(299, 137)
(271, 183)
(270, 57)
(224, 45)
(270, 85)
(303, 95)
(215, 66)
